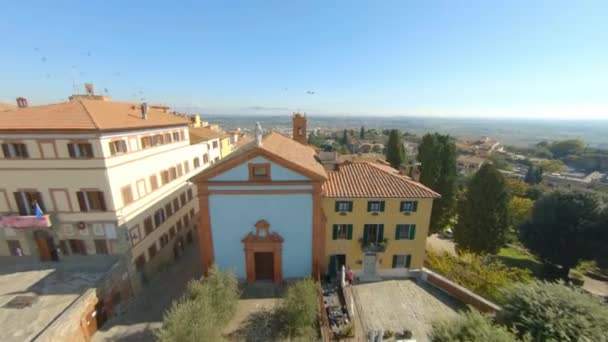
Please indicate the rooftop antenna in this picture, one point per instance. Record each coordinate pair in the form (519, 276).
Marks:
(74, 86)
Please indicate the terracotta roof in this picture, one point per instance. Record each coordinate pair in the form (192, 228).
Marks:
(203, 134)
(282, 147)
(83, 114)
(372, 180)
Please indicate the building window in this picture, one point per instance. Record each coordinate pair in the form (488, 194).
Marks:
(176, 136)
(15, 151)
(167, 138)
(63, 246)
(164, 177)
(205, 158)
(14, 247)
(182, 135)
(27, 200)
(80, 150)
(182, 199)
(373, 233)
(157, 140)
(127, 195)
(189, 193)
(405, 232)
(214, 145)
(172, 233)
(118, 147)
(191, 213)
(186, 220)
(409, 206)
(140, 262)
(146, 142)
(169, 209)
(173, 173)
(342, 232)
(91, 201)
(259, 171)
(216, 159)
(402, 260)
(159, 217)
(344, 206)
(180, 170)
(175, 204)
(178, 225)
(148, 226)
(153, 182)
(77, 247)
(375, 206)
(152, 251)
(164, 240)
(196, 162)
(101, 246)
(186, 167)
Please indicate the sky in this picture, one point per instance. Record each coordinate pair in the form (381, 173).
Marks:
(494, 59)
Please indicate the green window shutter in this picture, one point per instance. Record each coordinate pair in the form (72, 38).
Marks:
(350, 207)
(369, 206)
(408, 260)
(337, 206)
(365, 234)
(397, 231)
(412, 232)
(394, 261)
(415, 206)
(382, 206)
(380, 233)
(335, 232)
(349, 232)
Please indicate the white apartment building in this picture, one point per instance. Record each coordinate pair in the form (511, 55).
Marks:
(110, 178)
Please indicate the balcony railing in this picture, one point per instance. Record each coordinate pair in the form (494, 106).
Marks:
(25, 221)
(373, 247)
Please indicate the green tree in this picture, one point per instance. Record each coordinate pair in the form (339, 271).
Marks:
(345, 137)
(554, 312)
(483, 213)
(362, 133)
(301, 307)
(564, 148)
(395, 153)
(517, 187)
(551, 166)
(204, 310)
(564, 229)
(437, 156)
(471, 326)
(520, 209)
(534, 175)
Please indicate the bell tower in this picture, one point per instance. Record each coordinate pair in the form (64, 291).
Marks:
(299, 128)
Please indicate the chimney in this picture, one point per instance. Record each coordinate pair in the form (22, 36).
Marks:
(144, 111)
(88, 87)
(299, 127)
(21, 102)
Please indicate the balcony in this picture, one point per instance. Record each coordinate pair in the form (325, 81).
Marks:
(25, 222)
(373, 247)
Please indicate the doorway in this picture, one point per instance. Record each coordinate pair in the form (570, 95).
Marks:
(264, 268)
(369, 264)
(46, 246)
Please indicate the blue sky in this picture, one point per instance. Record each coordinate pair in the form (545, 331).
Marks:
(435, 58)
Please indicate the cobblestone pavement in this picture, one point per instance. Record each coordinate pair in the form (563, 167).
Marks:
(145, 313)
(403, 304)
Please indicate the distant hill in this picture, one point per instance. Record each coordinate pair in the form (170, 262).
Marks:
(514, 132)
(6, 106)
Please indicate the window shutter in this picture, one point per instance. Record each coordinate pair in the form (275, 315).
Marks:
(81, 201)
(337, 206)
(369, 206)
(71, 150)
(24, 152)
(397, 231)
(382, 206)
(394, 261)
(7, 154)
(408, 259)
(412, 232)
(40, 202)
(380, 233)
(20, 204)
(335, 232)
(349, 232)
(402, 206)
(101, 200)
(350, 207)
(365, 234)
(89, 150)
(415, 206)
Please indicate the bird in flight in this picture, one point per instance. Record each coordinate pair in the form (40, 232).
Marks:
(310, 92)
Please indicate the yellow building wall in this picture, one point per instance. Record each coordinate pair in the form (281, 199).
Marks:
(390, 218)
(226, 148)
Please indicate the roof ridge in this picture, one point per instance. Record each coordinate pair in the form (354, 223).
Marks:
(86, 110)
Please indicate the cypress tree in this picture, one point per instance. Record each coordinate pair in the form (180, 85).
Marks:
(483, 214)
(362, 133)
(395, 153)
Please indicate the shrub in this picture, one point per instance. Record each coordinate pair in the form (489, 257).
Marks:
(301, 307)
(470, 327)
(484, 275)
(554, 312)
(204, 310)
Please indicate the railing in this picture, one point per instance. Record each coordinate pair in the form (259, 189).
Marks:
(25, 221)
(373, 247)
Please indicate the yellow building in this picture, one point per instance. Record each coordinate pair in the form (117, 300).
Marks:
(225, 145)
(377, 220)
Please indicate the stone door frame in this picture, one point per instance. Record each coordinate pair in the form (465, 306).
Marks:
(263, 241)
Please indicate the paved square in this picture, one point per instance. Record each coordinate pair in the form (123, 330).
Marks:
(403, 304)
